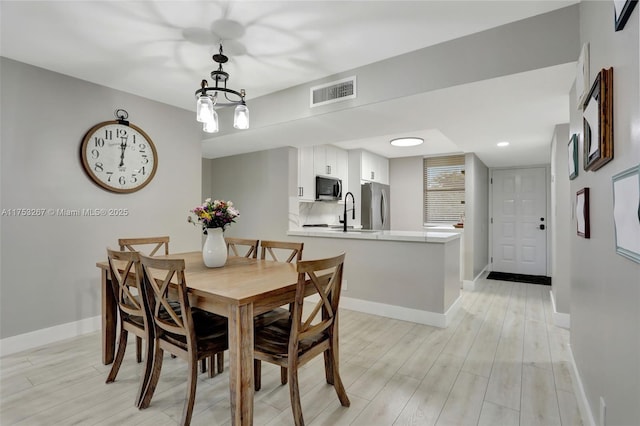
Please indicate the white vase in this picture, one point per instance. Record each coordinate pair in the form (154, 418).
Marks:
(214, 251)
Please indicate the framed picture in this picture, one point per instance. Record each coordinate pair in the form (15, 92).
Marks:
(622, 11)
(597, 119)
(572, 151)
(626, 212)
(582, 75)
(582, 213)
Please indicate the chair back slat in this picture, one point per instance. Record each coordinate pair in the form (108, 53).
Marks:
(160, 277)
(233, 243)
(323, 285)
(124, 268)
(156, 242)
(294, 250)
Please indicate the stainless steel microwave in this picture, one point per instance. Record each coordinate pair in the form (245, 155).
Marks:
(328, 189)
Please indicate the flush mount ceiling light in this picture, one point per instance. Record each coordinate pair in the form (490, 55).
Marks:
(410, 141)
(503, 144)
(219, 95)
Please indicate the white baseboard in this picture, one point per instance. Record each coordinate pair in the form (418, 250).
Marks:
(402, 313)
(471, 285)
(581, 396)
(22, 342)
(452, 311)
(559, 319)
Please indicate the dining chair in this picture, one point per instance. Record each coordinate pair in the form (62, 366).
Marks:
(271, 249)
(134, 319)
(134, 243)
(189, 333)
(233, 243)
(160, 245)
(292, 342)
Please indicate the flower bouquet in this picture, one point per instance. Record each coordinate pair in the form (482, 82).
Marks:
(214, 214)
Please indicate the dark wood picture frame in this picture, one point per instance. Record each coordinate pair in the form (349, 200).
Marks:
(582, 213)
(572, 151)
(597, 119)
(622, 12)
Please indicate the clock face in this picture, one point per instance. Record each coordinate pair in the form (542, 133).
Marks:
(119, 157)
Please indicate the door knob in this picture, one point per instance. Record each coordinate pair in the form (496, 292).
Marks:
(542, 227)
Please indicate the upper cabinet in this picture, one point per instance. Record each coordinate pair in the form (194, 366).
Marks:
(324, 160)
(373, 167)
(306, 175)
(331, 161)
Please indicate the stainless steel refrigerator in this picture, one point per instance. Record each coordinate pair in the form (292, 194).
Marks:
(375, 202)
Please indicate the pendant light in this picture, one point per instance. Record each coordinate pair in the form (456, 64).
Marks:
(207, 99)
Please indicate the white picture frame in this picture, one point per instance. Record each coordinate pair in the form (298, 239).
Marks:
(626, 212)
(583, 82)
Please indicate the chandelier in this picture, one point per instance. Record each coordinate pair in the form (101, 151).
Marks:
(208, 97)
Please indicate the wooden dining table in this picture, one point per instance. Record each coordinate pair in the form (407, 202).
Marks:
(240, 290)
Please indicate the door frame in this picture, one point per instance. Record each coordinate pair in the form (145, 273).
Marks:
(550, 230)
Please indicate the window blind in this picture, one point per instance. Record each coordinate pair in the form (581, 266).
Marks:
(444, 189)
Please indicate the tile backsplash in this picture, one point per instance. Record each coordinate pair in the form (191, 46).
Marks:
(319, 212)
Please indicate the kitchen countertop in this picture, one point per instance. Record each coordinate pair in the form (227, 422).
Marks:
(367, 234)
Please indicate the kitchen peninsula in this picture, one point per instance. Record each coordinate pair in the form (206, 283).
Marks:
(407, 275)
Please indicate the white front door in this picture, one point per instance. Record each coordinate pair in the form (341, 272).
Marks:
(519, 230)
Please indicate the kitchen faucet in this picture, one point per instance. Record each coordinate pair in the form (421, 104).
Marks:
(353, 209)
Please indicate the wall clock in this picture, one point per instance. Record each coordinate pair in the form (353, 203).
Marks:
(119, 156)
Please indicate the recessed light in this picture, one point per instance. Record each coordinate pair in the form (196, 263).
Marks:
(411, 141)
(503, 144)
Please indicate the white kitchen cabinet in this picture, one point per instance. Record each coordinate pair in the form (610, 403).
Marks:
(306, 174)
(342, 164)
(331, 161)
(321, 164)
(373, 167)
(324, 160)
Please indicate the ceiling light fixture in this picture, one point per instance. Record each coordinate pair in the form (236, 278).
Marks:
(207, 99)
(410, 141)
(503, 144)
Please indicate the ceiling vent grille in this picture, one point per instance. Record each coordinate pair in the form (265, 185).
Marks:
(335, 91)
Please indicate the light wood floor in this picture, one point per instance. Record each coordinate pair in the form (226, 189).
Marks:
(501, 362)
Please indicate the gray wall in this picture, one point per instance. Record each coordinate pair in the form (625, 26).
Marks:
(407, 189)
(420, 276)
(207, 178)
(476, 224)
(605, 287)
(406, 178)
(48, 274)
(560, 226)
(258, 184)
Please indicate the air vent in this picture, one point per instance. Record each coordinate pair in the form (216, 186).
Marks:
(335, 91)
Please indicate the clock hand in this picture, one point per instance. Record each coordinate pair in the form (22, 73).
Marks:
(123, 148)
